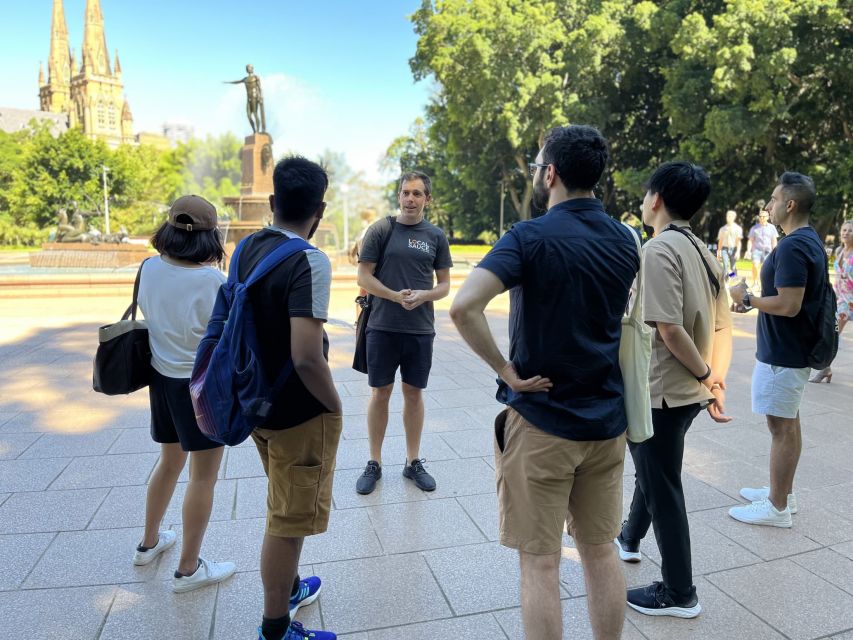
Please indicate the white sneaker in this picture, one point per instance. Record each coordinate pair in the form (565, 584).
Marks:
(165, 540)
(207, 573)
(762, 512)
(626, 553)
(754, 495)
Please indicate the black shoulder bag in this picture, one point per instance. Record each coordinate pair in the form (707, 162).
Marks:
(715, 284)
(359, 359)
(123, 360)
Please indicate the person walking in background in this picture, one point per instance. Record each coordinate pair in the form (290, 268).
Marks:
(177, 290)
(560, 445)
(793, 283)
(686, 303)
(761, 241)
(298, 441)
(843, 288)
(401, 328)
(729, 241)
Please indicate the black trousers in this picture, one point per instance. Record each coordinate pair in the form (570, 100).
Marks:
(659, 497)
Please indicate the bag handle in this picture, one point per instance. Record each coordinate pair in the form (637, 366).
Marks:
(131, 310)
(711, 277)
(638, 297)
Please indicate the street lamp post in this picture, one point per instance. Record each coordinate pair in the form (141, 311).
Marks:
(503, 197)
(104, 172)
(344, 191)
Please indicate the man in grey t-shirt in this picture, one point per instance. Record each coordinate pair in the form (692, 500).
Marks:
(401, 327)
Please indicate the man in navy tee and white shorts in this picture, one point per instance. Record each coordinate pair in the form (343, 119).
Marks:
(793, 281)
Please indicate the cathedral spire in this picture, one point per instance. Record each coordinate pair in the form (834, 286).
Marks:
(95, 56)
(59, 64)
(117, 64)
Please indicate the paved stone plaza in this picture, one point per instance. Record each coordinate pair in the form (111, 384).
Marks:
(398, 563)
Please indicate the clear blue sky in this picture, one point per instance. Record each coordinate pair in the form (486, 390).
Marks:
(335, 72)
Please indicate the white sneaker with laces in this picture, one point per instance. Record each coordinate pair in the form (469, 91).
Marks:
(753, 495)
(208, 572)
(762, 512)
(165, 540)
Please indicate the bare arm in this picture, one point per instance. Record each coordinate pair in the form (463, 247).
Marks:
(468, 312)
(787, 302)
(371, 284)
(306, 349)
(678, 342)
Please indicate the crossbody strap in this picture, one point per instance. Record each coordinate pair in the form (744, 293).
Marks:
(381, 258)
(131, 310)
(715, 284)
(636, 310)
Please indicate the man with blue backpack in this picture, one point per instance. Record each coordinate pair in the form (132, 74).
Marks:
(300, 421)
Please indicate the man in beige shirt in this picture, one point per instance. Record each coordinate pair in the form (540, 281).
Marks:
(684, 301)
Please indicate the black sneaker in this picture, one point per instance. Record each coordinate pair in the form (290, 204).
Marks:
(629, 550)
(419, 475)
(653, 600)
(367, 481)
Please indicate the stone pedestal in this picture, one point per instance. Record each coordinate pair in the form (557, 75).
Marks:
(252, 206)
(258, 165)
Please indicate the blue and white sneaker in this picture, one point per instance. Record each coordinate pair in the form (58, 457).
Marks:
(309, 591)
(297, 632)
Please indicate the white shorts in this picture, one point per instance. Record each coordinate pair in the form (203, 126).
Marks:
(778, 391)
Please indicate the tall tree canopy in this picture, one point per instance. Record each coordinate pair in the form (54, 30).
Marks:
(747, 88)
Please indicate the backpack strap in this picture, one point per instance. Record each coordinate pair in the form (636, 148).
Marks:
(234, 265)
(385, 241)
(715, 284)
(269, 262)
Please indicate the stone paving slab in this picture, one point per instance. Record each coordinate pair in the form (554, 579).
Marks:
(74, 467)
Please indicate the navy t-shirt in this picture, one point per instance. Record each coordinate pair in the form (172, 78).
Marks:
(569, 273)
(799, 260)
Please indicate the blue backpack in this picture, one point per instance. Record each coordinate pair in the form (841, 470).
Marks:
(230, 393)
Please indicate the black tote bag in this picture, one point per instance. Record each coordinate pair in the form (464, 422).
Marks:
(123, 360)
(359, 359)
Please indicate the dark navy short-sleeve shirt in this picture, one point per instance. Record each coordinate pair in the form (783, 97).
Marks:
(799, 260)
(569, 273)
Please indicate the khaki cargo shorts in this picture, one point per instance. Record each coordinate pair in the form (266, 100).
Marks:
(299, 463)
(546, 482)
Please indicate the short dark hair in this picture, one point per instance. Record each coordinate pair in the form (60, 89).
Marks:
(299, 187)
(578, 153)
(683, 186)
(799, 188)
(416, 175)
(195, 246)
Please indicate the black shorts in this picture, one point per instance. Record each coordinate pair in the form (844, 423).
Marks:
(172, 414)
(387, 350)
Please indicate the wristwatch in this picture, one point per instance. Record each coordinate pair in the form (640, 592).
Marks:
(747, 299)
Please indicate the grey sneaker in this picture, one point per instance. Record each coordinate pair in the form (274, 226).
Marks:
(416, 473)
(144, 556)
(366, 482)
(207, 573)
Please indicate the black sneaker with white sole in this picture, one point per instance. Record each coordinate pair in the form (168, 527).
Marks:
(652, 600)
(629, 550)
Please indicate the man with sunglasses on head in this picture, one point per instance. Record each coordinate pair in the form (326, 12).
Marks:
(560, 446)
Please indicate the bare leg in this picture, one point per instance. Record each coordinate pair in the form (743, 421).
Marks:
(279, 562)
(784, 456)
(161, 486)
(605, 586)
(413, 420)
(540, 596)
(377, 419)
(198, 502)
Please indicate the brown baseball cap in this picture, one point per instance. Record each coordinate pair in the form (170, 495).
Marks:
(200, 215)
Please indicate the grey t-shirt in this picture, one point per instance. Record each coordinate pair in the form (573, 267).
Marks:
(414, 253)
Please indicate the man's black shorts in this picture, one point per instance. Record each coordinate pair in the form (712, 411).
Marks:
(387, 350)
(172, 415)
